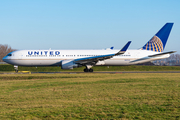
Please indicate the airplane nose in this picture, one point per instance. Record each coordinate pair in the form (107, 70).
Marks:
(4, 59)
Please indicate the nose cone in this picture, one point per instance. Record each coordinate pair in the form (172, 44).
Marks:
(5, 59)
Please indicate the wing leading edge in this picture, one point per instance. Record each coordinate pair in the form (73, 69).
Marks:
(95, 59)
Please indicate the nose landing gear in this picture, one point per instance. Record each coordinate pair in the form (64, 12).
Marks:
(16, 68)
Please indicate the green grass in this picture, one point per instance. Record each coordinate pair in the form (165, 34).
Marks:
(90, 96)
(96, 68)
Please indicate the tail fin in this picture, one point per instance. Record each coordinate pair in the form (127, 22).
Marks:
(158, 41)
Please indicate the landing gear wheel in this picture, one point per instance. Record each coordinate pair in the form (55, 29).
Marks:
(86, 70)
(90, 70)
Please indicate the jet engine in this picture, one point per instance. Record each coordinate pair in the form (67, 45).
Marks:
(68, 64)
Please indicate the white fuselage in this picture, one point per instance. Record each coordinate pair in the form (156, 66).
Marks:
(54, 57)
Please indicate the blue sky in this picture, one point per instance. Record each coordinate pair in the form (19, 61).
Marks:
(86, 24)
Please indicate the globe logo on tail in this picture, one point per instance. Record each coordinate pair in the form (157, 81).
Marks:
(155, 44)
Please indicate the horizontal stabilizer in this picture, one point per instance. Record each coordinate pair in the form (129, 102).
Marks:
(162, 54)
(150, 56)
(141, 59)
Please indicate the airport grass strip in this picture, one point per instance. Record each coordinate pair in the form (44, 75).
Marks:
(90, 96)
(96, 68)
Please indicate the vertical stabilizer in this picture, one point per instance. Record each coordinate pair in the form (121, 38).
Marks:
(158, 41)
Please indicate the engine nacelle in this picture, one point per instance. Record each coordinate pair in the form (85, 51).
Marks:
(100, 63)
(68, 64)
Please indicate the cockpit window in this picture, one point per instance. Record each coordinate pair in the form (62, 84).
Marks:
(9, 54)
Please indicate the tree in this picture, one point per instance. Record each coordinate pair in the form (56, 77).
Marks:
(4, 50)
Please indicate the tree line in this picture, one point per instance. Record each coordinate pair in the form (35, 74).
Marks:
(174, 59)
(4, 50)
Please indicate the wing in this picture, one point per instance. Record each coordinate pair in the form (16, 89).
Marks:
(95, 59)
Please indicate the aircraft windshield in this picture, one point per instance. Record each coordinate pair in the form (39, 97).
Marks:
(9, 54)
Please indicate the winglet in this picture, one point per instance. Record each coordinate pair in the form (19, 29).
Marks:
(111, 47)
(123, 50)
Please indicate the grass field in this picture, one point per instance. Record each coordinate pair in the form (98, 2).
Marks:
(90, 96)
(96, 68)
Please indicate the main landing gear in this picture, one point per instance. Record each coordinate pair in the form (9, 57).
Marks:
(88, 68)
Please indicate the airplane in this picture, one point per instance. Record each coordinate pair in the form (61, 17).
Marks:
(69, 59)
